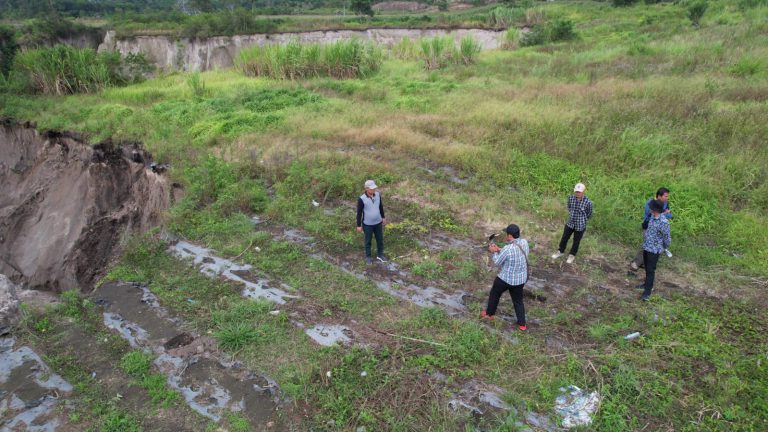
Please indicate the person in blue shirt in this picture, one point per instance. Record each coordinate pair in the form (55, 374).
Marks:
(512, 261)
(662, 195)
(657, 239)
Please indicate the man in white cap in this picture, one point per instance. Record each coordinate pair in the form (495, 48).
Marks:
(579, 211)
(371, 220)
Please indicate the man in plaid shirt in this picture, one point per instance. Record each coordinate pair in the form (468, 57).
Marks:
(512, 261)
(579, 211)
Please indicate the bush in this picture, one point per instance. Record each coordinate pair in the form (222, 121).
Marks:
(469, 49)
(536, 36)
(503, 17)
(341, 60)
(511, 38)
(439, 52)
(696, 11)
(562, 29)
(64, 70)
(622, 3)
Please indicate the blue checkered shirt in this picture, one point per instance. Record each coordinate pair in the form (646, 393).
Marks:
(579, 210)
(657, 237)
(512, 264)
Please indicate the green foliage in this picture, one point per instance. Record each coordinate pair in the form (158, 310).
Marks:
(747, 67)
(696, 10)
(622, 3)
(504, 17)
(8, 48)
(511, 38)
(469, 49)
(62, 70)
(561, 29)
(136, 363)
(294, 60)
(235, 336)
(196, 85)
(537, 35)
(439, 52)
(159, 393)
(362, 7)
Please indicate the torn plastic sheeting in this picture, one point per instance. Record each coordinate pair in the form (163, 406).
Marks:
(576, 406)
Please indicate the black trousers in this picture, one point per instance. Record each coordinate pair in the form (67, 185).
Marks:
(374, 230)
(516, 291)
(577, 235)
(650, 260)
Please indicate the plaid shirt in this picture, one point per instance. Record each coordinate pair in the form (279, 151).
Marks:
(578, 212)
(657, 237)
(512, 263)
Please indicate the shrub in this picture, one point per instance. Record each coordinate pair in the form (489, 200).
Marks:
(405, 49)
(622, 3)
(746, 66)
(537, 35)
(64, 70)
(469, 49)
(696, 11)
(341, 60)
(562, 29)
(502, 17)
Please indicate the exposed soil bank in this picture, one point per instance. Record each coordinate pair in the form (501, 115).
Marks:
(219, 52)
(65, 206)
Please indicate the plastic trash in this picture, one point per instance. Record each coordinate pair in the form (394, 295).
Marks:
(669, 254)
(576, 406)
(315, 203)
(631, 336)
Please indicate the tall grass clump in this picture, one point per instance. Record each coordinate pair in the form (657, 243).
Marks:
(503, 17)
(439, 52)
(696, 10)
(511, 38)
(294, 60)
(405, 49)
(62, 70)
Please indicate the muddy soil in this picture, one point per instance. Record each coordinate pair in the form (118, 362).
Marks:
(210, 384)
(66, 206)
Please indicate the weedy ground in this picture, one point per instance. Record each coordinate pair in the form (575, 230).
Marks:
(641, 99)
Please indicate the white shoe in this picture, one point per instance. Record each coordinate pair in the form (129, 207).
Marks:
(557, 255)
(633, 266)
(570, 259)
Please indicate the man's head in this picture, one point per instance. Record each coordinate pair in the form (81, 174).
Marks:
(662, 195)
(370, 187)
(579, 189)
(657, 207)
(512, 231)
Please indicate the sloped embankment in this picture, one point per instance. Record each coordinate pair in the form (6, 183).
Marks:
(66, 205)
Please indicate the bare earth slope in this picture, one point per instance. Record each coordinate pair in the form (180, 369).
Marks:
(65, 206)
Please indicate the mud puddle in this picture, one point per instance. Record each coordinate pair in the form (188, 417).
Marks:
(211, 385)
(214, 266)
(30, 392)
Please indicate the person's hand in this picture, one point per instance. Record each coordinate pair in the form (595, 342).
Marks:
(493, 247)
(667, 211)
(384, 221)
(359, 229)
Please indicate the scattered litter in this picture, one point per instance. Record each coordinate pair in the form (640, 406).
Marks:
(93, 375)
(257, 249)
(328, 374)
(256, 220)
(576, 406)
(315, 203)
(631, 336)
(274, 312)
(669, 254)
(363, 374)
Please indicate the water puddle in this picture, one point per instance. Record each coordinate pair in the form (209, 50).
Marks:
(329, 335)
(29, 390)
(212, 386)
(213, 266)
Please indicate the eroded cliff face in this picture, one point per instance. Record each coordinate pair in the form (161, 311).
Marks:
(66, 207)
(169, 53)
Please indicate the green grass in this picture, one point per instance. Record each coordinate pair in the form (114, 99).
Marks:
(639, 99)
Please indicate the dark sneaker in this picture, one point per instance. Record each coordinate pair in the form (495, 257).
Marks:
(484, 315)
(368, 260)
(382, 258)
(522, 327)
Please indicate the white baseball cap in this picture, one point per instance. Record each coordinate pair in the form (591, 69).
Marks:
(579, 187)
(370, 184)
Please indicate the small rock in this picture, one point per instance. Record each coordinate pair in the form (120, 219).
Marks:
(270, 424)
(200, 349)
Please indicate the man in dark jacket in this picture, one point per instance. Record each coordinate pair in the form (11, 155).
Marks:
(371, 220)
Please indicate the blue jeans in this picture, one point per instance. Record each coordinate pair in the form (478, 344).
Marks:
(378, 231)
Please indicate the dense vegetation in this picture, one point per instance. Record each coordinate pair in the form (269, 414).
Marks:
(624, 99)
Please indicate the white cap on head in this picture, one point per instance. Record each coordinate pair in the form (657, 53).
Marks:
(370, 184)
(579, 187)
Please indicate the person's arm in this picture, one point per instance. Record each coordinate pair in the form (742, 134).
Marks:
(666, 235)
(501, 256)
(381, 207)
(647, 211)
(569, 204)
(589, 209)
(360, 212)
(668, 212)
